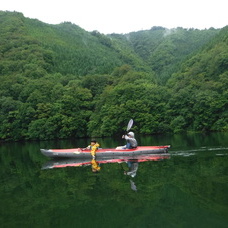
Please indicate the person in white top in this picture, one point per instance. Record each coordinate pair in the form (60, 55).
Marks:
(131, 141)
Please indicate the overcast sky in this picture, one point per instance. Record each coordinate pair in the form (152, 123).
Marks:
(124, 16)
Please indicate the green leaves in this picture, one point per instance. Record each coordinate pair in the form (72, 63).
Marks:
(59, 81)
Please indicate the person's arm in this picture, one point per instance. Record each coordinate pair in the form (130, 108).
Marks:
(125, 137)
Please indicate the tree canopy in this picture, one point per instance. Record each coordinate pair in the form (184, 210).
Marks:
(60, 81)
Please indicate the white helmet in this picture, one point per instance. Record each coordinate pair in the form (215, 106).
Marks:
(131, 134)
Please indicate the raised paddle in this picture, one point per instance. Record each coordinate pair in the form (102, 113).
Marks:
(130, 123)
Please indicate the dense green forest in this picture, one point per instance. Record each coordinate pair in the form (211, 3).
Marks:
(60, 81)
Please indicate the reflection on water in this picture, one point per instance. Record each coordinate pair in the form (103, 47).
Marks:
(133, 166)
(189, 189)
(95, 166)
(132, 161)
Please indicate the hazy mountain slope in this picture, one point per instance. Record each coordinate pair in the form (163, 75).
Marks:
(73, 50)
(164, 49)
(194, 99)
(199, 90)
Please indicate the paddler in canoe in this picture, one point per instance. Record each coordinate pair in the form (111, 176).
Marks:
(131, 141)
(94, 145)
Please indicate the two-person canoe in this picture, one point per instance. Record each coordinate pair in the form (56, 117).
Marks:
(85, 153)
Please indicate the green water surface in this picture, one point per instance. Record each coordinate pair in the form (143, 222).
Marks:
(190, 189)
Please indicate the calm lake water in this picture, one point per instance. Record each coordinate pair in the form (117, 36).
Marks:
(187, 189)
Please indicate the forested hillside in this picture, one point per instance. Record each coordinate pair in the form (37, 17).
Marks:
(60, 81)
(164, 49)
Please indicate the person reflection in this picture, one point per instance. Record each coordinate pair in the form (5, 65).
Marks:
(133, 167)
(132, 170)
(95, 166)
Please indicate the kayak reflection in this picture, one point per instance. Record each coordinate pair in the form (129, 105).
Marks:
(95, 163)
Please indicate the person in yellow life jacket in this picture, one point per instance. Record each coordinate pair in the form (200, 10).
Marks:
(95, 166)
(94, 145)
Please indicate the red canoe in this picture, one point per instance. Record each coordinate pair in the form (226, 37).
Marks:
(85, 153)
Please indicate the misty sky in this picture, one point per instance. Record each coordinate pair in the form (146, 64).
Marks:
(124, 16)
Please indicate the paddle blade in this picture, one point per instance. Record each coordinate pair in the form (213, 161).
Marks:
(130, 123)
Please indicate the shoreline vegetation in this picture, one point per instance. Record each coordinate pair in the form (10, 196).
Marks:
(61, 82)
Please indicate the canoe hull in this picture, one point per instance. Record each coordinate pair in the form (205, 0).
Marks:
(80, 153)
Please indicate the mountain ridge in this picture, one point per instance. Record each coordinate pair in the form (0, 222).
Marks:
(60, 81)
